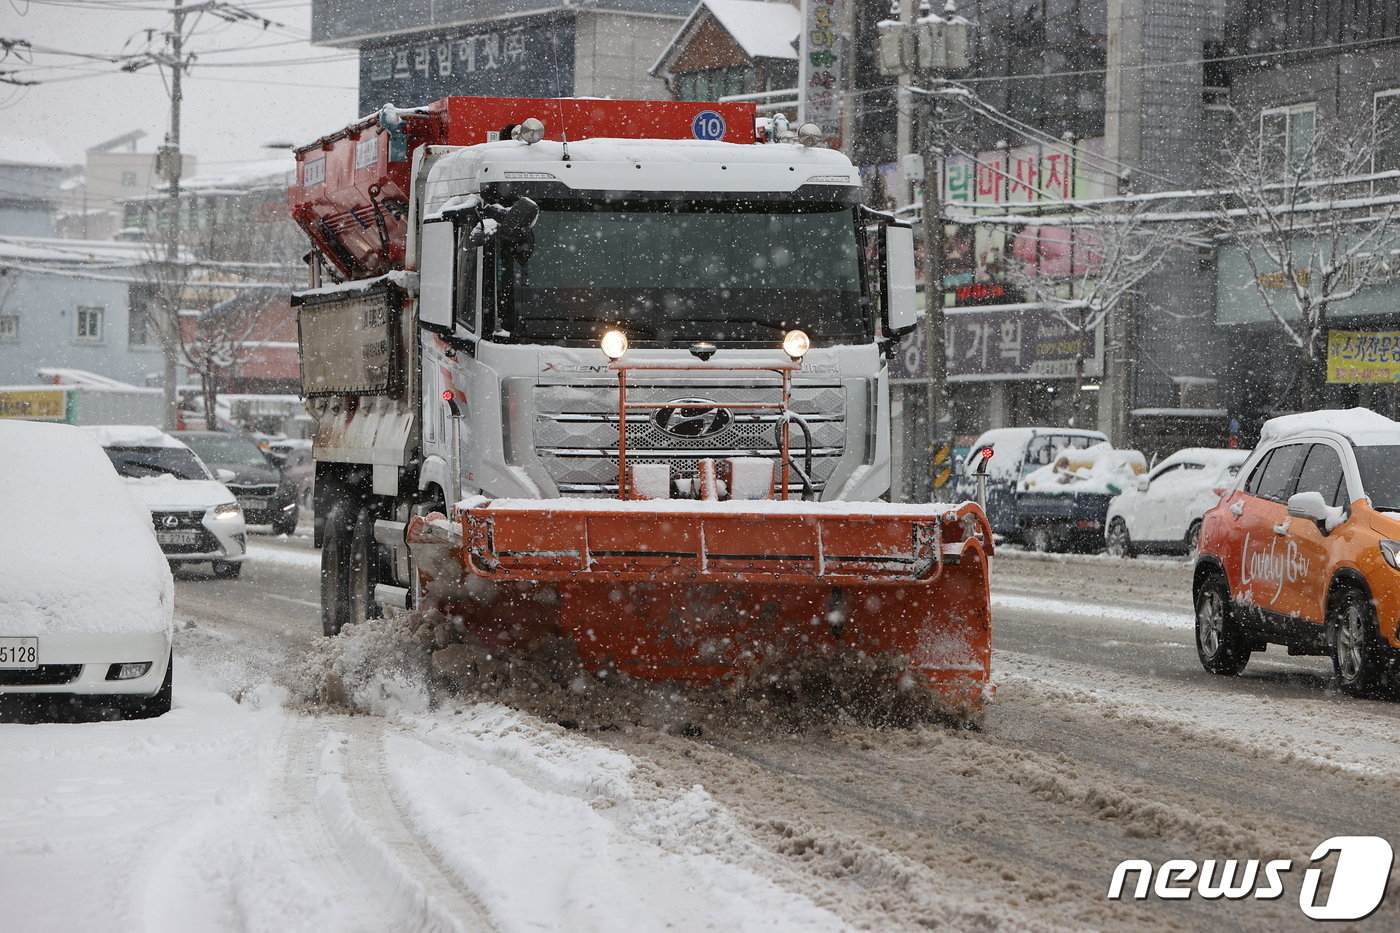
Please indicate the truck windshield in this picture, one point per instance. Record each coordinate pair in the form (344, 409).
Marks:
(732, 273)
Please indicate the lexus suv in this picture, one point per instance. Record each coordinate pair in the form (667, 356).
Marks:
(1303, 550)
(264, 492)
(196, 518)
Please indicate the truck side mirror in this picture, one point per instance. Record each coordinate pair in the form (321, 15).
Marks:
(439, 243)
(901, 311)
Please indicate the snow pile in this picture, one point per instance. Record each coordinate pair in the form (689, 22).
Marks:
(79, 554)
(378, 667)
(416, 661)
(1097, 469)
(1359, 424)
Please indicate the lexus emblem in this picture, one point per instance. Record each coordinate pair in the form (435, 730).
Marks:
(170, 521)
(692, 418)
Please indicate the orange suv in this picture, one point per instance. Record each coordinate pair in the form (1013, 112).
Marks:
(1304, 550)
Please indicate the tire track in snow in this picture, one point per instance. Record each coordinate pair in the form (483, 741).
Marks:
(354, 797)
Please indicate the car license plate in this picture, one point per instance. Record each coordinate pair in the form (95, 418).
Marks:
(19, 654)
(178, 537)
(253, 504)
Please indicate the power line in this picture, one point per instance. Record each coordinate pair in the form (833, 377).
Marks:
(1192, 62)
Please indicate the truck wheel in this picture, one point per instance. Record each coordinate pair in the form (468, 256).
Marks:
(364, 568)
(1357, 656)
(1220, 643)
(335, 565)
(1117, 541)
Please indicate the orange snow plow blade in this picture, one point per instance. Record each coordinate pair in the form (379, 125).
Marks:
(707, 591)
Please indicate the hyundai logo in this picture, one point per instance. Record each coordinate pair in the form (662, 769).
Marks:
(170, 521)
(692, 417)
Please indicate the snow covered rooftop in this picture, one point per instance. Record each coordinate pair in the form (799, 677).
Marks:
(131, 435)
(110, 253)
(761, 29)
(661, 165)
(23, 150)
(267, 173)
(1361, 425)
(63, 376)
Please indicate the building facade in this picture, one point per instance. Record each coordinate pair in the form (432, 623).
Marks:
(414, 53)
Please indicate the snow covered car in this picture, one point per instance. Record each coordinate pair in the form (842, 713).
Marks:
(1304, 549)
(264, 492)
(1016, 453)
(1162, 513)
(86, 598)
(1062, 505)
(195, 516)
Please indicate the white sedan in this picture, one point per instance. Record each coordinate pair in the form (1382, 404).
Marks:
(1163, 513)
(86, 598)
(196, 516)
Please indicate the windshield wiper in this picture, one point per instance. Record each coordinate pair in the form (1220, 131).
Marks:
(761, 322)
(154, 469)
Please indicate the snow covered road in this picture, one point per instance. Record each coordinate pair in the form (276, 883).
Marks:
(247, 808)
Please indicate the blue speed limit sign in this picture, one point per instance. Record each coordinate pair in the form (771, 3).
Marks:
(707, 125)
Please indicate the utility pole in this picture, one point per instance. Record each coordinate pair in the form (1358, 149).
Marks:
(936, 461)
(927, 48)
(169, 162)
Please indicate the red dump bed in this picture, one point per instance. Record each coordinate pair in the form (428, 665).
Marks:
(352, 188)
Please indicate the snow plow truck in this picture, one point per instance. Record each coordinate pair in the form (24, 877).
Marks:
(614, 372)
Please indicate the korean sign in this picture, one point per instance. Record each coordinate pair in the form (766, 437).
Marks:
(979, 258)
(513, 59)
(1363, 356)
(1022, 342)
(821, 70)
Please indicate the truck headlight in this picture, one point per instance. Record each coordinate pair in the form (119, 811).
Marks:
(796, 343)
(228, 510)
(614, 344)
(1390, 550)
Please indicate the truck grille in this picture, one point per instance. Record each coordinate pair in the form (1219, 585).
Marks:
(575, 431)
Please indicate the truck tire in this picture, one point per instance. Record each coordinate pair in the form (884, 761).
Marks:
(335, 565)
(1357, 656)
(1220, 641)
(1041, 538)
(365, 564)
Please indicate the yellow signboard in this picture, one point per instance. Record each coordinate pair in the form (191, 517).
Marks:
(34, 404)
(1363, 356)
